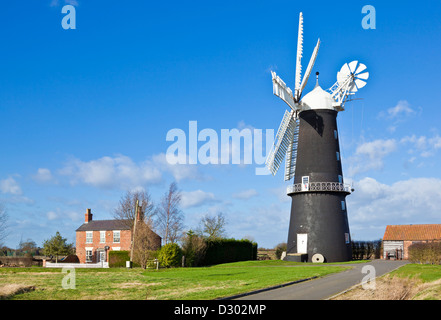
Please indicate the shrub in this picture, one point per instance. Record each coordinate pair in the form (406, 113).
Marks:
(170, 255)
(193, 248)
(280, 248)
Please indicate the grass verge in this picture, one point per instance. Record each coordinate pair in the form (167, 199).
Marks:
(410, 282)
(203, 283)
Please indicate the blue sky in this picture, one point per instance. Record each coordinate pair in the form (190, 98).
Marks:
(84, 113)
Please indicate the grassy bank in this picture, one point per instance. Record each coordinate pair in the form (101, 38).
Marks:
(175, 284)
(410, 282)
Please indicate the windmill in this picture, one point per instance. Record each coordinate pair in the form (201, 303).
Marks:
(307, 139)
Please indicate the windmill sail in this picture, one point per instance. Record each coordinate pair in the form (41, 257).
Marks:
(299, 58)
(309, 68)
(291, 153)
(282, 142)
(281, 90)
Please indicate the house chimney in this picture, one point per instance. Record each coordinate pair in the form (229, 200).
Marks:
(88, 216)
(138, 213)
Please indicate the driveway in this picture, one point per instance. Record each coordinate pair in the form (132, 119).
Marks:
(330, 285)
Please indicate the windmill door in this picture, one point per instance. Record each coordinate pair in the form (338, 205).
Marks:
(302, 241)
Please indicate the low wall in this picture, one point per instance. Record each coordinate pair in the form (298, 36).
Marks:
(76, 265)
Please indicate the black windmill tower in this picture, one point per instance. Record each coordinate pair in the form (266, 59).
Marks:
(308, 139)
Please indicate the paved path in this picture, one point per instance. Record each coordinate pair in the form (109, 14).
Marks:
(327, 286)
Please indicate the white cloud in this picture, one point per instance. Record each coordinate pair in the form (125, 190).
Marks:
(10, 186)
(374, 205)
(43, 175)
(369, 155)
(246, 194)
(56, 3)
(179, 171)
(110, 172)
(401, 109)
(422, 144)
(196, 198)
(51, 215)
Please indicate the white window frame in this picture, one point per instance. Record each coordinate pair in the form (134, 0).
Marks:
(117, 232)
(102, 236)
(89, 236)
(89, 257)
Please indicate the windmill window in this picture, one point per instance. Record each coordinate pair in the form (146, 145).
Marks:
(338, 156)
(335, 134)
(340, 179)
(343, 206)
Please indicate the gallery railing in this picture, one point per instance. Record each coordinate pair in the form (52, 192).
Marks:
(319, 186)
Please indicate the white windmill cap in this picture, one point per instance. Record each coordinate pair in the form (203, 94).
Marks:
(318, 99)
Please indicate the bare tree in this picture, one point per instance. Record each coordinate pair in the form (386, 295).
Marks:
(3, 225)
(170, 217)
(213, 226)
(144, 243)
(126, 209)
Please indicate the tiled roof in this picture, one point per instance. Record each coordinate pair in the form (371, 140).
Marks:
(96, 225)
(413, 232)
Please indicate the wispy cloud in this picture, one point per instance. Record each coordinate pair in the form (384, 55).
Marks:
(370, 155)
(196, 198)
(56, 3)
(10, 186)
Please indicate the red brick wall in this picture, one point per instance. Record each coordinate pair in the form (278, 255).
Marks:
(124, 244)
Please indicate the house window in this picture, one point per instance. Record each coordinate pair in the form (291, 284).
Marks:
(88, 255)
(343, 205)
(116, 236)
(102, 236)
(89, 236)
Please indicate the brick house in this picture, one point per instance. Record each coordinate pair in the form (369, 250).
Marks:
(398, 238)
(96, 238)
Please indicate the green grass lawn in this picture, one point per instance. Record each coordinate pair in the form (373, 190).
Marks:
(425, 272)
(165, 284)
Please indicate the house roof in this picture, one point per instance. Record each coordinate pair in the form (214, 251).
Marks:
(413, 232)
(96, 225)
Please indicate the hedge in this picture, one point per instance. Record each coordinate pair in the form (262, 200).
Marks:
(425, 252)
(229, 250)
(117, 259)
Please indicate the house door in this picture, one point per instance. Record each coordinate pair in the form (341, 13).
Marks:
(302, 241)
(102, 256)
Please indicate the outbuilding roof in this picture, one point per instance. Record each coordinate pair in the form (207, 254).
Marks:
(415, 232)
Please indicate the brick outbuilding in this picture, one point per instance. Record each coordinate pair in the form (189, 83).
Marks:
(398, 238)
(96, 238)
